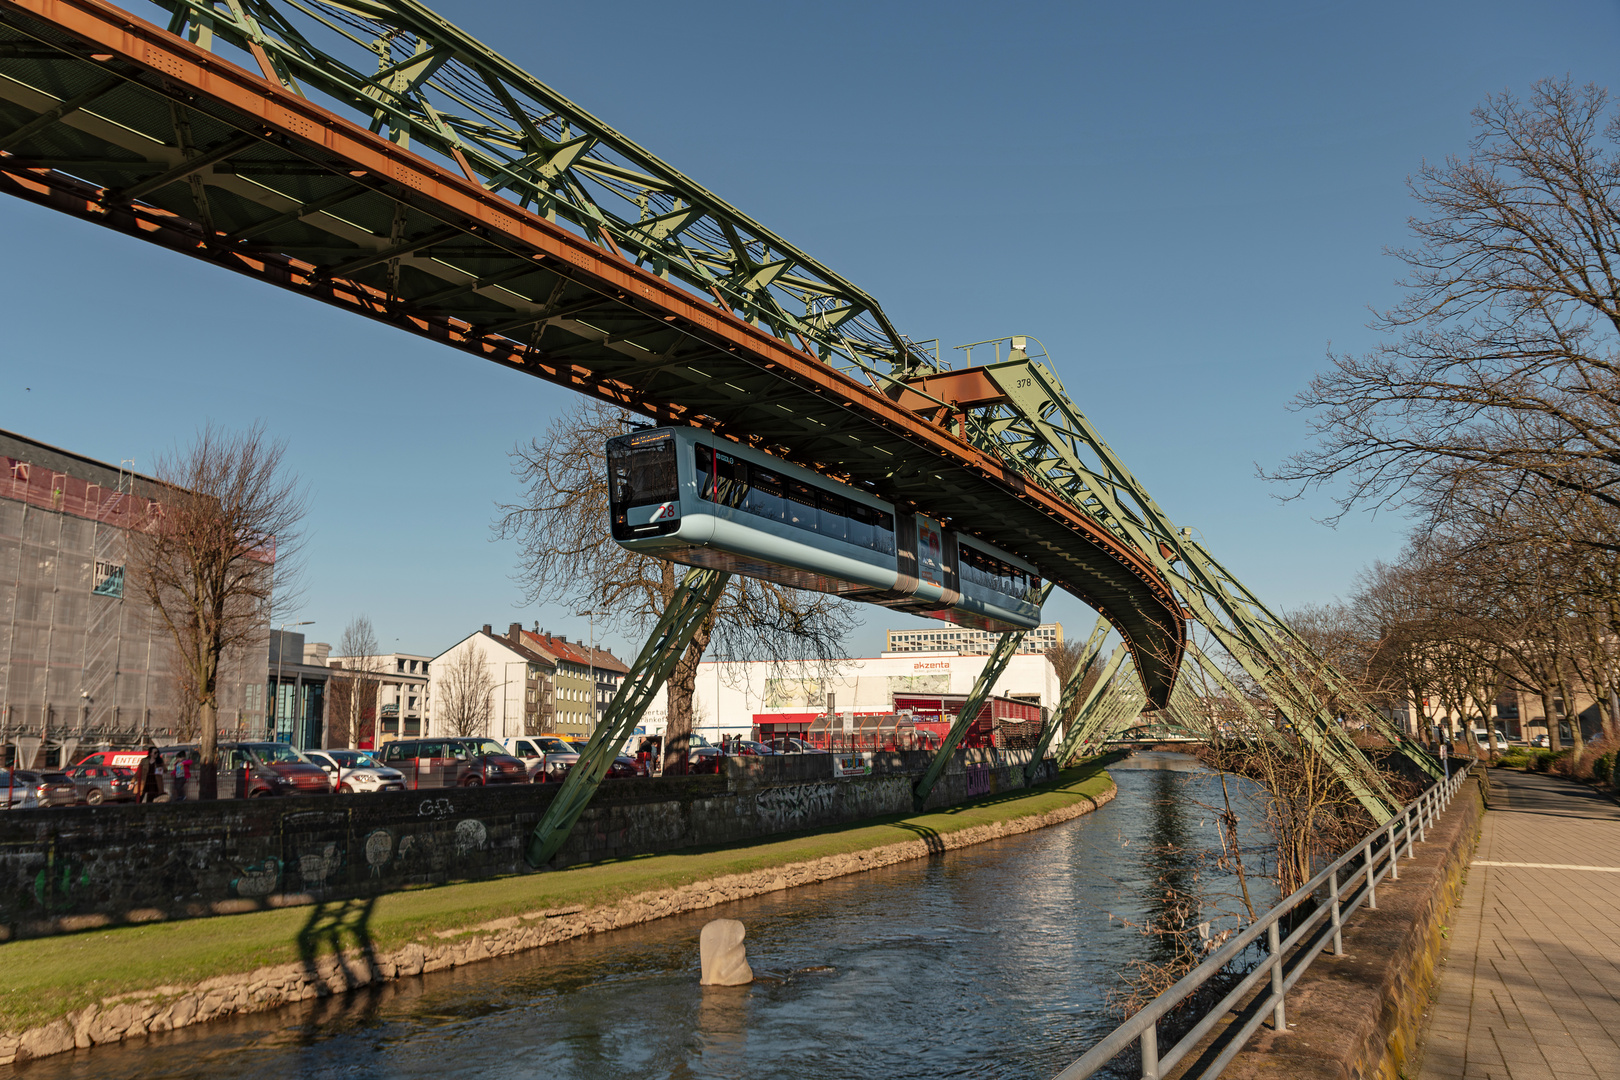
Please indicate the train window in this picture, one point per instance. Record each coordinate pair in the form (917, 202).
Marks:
(833, 515)
(732, 486)
(883, 533)
(641, 470)
(860, 523)
(801, 506)
(766, 495)
(703, 458)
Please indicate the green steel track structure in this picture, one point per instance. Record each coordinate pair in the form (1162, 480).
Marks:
(371, 155)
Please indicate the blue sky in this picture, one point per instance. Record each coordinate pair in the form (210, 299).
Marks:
(1187, 203)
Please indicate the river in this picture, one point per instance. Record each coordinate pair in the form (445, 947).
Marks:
(990, 961)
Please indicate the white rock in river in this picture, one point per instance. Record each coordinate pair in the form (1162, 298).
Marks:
(725, 961)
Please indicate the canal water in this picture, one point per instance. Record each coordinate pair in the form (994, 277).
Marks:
(992, 961)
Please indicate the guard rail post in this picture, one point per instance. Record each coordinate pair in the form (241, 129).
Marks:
(1279, 1020)
(1338, 917)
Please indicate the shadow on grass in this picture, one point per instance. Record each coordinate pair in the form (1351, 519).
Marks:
(341, 930)
(928, 835)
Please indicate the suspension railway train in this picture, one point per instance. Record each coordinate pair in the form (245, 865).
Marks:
(686, 495)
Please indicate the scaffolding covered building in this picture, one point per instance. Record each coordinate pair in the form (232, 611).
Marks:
(82, 662)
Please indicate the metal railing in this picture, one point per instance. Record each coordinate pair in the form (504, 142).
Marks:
(1351, 881)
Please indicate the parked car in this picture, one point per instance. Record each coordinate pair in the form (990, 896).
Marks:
(14, 793)
(704, 759)
(545, 757)
(431, 763)
(785, 745)
(253, 770)
(30, 788)
(624, 766)
(749, 748)
(97, 784)
(355, 770)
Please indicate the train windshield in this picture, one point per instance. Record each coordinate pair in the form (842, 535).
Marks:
(641, 469)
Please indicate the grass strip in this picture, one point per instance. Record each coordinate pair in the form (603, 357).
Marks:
(44, 978)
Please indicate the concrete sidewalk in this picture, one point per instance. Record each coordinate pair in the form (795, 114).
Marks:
(1530, 982)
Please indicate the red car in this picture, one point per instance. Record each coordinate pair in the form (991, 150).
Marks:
(704, 759)
(254, 770)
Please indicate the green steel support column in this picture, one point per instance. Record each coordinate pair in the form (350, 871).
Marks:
(1076, 729)
(1119, 717)
(1065, 705)
(1052, 437)
(688, 608)
(993, 667)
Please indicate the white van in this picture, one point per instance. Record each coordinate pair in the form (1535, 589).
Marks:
(547, 757)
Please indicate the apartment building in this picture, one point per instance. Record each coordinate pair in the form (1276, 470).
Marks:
(393, 705)
(968, 641)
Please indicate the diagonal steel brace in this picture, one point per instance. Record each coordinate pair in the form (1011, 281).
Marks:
(690, 605)
(1000, 657)
(1066, 710)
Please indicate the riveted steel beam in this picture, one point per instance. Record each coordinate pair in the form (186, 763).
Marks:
(1068, 699)
(687, 610)
(994, 666)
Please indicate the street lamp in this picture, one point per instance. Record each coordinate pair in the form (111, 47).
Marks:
(281, 650)
(595, 694)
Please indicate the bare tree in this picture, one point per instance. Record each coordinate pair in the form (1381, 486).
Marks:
(354, 694)
(1065, 658)
(561, 526)
(203, 556)
(1503, 365)
(462, 695)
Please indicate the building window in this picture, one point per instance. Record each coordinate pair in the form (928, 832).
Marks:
(401, 665)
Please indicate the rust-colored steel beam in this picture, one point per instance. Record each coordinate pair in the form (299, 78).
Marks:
(1071, 549)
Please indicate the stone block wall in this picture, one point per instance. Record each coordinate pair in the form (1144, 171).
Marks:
(74, 868)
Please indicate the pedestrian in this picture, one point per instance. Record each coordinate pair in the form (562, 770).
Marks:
(182, 773)
(149, 780)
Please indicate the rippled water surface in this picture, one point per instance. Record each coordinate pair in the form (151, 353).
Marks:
(993, 961)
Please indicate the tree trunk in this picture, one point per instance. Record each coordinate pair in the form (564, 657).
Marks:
(1577, 741)
(680, 689)
(208, 751)
(1555, 742)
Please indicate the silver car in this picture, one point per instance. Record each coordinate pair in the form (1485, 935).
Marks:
(356, 771)
(28, 788)
(15, 792)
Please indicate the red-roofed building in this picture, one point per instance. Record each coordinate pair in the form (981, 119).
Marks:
(585, 681)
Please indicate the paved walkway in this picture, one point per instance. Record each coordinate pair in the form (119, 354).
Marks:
(1530, 982)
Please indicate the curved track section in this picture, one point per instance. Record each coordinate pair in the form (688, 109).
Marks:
(111, 119)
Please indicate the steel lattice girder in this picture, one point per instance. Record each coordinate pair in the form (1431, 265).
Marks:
(95, 105)
(1066, 699)
(1109, 691)
(994, 666)
(687, 610)
(1020, 408)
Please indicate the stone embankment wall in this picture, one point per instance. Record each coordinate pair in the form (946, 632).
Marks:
(1357, 1017)
(169, 1007)
(82, 867)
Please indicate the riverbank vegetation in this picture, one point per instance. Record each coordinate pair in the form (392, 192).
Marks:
(1491, 415)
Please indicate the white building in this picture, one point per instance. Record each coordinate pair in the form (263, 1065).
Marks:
(520, 683)
(402, 689)
(748, 691)
(943, 636)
